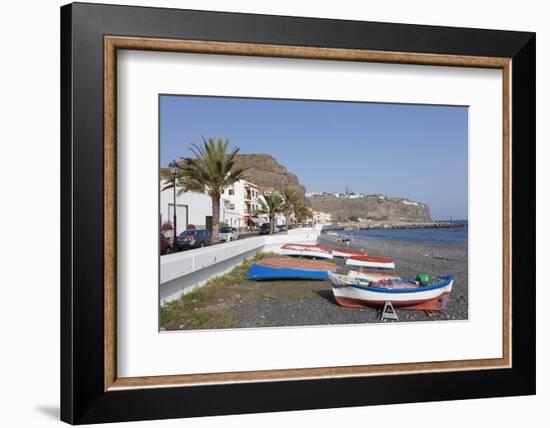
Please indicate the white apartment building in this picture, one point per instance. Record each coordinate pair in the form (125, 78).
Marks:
(237, 203)
(240, 201)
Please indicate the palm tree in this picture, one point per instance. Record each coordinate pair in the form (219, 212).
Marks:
(291, 203)
(271, 204)
(210, 171)
(303, 213)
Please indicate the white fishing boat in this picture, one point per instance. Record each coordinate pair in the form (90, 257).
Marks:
(370, 262)
(304, 250)
(405, 294)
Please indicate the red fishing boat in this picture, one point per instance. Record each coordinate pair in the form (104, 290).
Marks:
(348, 252)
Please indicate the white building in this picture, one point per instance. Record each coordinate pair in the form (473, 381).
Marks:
(191, 208)
(320, 217)
(237, 202)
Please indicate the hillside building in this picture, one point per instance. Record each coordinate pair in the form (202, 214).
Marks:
(320, 217)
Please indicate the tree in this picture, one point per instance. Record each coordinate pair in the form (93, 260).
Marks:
(210, 171)
(291, 201)
(271, 204)
(303, 213)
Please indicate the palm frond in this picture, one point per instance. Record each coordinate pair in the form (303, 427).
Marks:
(211, 169)
(271, 203)
(167, 185)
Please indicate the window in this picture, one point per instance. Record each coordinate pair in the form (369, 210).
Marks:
(231, 192)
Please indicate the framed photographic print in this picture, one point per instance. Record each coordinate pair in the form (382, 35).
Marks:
(265, 213)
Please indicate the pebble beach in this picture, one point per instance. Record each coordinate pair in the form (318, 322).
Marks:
(253, 304)
(411, 258)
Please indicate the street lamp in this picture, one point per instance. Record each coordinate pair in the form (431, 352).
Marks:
(174, 167)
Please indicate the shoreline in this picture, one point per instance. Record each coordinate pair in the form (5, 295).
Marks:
(351, 226)
(396, 241)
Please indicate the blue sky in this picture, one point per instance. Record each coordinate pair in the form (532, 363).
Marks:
(414, 151)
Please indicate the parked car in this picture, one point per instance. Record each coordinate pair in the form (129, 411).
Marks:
(165, 245)
(228, 234)
(280, 228)
(264, 229)
(193, 238)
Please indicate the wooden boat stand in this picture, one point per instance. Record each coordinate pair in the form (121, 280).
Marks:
(388, 313)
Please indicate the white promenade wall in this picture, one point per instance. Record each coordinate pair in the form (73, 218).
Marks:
(184, 272)
(299, 236)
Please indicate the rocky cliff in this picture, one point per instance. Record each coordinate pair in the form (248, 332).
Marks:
(264, 171)
(371, 207)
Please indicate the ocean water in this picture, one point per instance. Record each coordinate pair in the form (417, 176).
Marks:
(453, 235)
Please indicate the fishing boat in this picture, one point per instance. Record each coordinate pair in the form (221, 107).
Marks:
(405, 294)
(348, 252)
(290, 268)
(372, 275)
(304, 250)
(370, 262)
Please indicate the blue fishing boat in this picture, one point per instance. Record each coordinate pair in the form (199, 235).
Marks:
(290, 268)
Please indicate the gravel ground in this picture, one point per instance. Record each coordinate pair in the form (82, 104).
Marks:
(319, 306)
(297, 303)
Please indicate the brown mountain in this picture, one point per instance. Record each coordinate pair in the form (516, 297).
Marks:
(371, 207)
(264, 171)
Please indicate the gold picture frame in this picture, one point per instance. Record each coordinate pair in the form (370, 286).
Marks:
(114, 43)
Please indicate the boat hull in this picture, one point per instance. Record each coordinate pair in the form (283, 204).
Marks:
(370, 262)
(310, 251)
(436, 304)
(345, 253)
(354, 295)
(281, 268)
